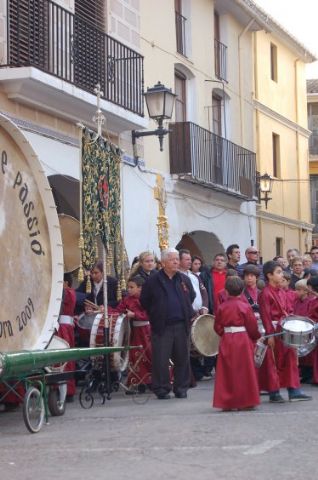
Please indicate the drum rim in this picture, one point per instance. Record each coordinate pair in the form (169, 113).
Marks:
(119, 363)
(192, 333)
(54, 232)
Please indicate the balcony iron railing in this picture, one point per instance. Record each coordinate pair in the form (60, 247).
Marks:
(44, 35)
(180, 33)
(313, 144)
(201, 156)
(220, 60)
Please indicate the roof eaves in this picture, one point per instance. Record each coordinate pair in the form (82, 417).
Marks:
(272, 26)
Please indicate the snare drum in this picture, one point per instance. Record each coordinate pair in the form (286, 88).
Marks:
(204, 339)
(84, 325)
(298, 331)
(119, 334)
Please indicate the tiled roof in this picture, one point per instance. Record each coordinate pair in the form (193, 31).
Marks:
(312, 86)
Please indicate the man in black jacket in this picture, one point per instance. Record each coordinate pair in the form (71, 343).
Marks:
(167, 296)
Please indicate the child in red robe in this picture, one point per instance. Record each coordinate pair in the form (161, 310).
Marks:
(302, 308)
(66, 329)
(236, 385)
(279, 368)
(291, 295)
(139, 374)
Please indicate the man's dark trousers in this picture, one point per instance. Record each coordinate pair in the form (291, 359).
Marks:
(172, 344)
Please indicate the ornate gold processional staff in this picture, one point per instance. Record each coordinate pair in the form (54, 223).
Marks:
(99, 119)
(160, 194)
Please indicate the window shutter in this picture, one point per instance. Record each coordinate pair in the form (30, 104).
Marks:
(28, 29)
(92, 12)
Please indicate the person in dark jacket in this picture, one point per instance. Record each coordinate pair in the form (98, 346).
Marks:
(167, 296)
(97, 294)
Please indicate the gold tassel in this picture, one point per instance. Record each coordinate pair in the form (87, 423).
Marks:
(80, 275)
(88, 284)
(119, 292)
(110, 258)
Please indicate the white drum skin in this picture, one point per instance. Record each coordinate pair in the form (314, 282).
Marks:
(31, 261)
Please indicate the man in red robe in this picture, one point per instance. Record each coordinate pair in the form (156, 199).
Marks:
(279, 368)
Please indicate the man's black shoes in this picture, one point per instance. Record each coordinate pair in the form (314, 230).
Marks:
(181, 395)
(163, 396)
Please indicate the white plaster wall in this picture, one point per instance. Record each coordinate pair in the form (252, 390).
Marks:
(55, 156)
(229, 220)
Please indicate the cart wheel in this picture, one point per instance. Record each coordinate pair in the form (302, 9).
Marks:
(86, 398)
(56, 400)
(33, 410)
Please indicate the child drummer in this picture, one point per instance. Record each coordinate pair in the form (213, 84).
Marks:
(236, 386)
(279, 369)
(139, 374)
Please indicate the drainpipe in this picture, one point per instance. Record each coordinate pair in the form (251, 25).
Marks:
(241, 80)
(298, 154)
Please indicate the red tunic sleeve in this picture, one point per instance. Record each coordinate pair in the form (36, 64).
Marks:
(251, 324)
(134, 305)
(313, 310)
(218, 326)
(69, 301)
(122, 306)
(265, 311)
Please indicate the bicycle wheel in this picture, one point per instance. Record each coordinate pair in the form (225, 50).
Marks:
(86, 398)
(56, 400)
(33, 410)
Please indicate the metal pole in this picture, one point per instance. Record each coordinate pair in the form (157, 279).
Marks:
(99, 118)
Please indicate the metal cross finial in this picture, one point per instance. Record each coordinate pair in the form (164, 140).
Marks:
(99, 117)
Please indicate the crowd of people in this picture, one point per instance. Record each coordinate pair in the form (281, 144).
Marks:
(248, 300)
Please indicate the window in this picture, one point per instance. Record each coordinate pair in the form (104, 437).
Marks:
(180, 28)
(92, 12)
(274, 75)
(217, 114)
(89, 46)
(279, 246)
(180, 90)
(276, 155)
(313, 126)
(314, 200)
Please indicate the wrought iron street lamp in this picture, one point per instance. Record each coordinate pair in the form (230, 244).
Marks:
(265, 186)
(160, 102)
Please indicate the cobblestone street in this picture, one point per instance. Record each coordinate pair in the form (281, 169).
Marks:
(179, 439)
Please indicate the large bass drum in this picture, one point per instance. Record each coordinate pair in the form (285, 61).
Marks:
(31, 260)
(119, 334)
(204, 339)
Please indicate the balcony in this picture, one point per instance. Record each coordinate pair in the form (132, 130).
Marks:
(313, 144)
(49, 49)
(180, 33)
(220, 60)
(202, 157)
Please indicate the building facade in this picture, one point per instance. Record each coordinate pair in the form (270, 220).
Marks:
(282, 140)
(54, 53)
(312, 109)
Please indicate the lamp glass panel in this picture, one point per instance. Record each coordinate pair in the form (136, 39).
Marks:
(155, 104)
(266, 185)
(169, 104)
